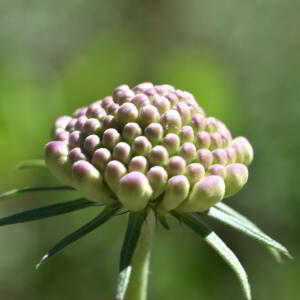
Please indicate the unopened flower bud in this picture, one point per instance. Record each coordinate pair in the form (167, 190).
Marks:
(161, 103)
(171, 121)
(202, 140)
(247, 149)
(141, 146)
(131, 131)
(154, 133)
(78, 124)
(184, 112)
(204, 157)
(113, 173)
(100, 158)
(158, 178)
(139, 164)
(176, 166)
(218, 170)
(186, 134)
(149, 114)
(140, 100)
(188, 151)
(216, 141)
(236, 178)
(134, 191)
(122, 152)
(91, 126)
(76, 154)
(172, 143)
(195, 172)
(220, 157)
(211, 125)
(91, 143)
(127, 113)
(76, 139)
(158, 156)
(110, 138)
(141, 87)
(205, 193)
(231, 155)
(177, 191)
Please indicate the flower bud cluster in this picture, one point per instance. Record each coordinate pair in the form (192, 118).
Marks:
(151, 144)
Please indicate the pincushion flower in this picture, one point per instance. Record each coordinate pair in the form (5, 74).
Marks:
(151, 152)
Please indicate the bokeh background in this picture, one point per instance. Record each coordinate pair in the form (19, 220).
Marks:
(242, 61)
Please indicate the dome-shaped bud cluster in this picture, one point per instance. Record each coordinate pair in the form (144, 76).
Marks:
(149, 145)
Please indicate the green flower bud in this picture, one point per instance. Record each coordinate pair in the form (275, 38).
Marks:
(204, 157)
(198, 122)
(184, 112)
(176, 166)
(140, 100)
(91, 143)
(218, 170)
(220, 157)
(158, 156)
(110, 138)
(211, 125)
(161, 103)
(138, 164)
(246, 149)
(75, 139)
(171, 142)
(134, 191)
(127, 113)
(202, 140)
(91, 126)
(56, 157)
(172, 98)
(188, 151)
(216, 141)
(195, 172)
(231, 155)
(186, 134)
(158, 178)
(148, 115)
(236, 178)
(100, 158)
(90, 182)
(177, 191)
(171, 121)
(154, 133)
(131, 131)
(113, 173)
(122, 152)
(141, 146)
(204, 194)
(76, 154)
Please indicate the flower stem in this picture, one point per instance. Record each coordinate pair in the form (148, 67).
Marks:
(139, 273)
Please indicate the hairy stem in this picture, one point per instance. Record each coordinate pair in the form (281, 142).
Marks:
(139, 271)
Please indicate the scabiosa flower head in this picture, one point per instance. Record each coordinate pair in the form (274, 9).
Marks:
(149, 151)
(116, 144)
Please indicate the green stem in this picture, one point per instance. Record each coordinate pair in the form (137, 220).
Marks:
(139, 272)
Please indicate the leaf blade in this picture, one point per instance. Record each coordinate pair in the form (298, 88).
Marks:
(46, 211)
(275, 251)
(17, 192)
(29, 164)
(103, 217)
(213, 240)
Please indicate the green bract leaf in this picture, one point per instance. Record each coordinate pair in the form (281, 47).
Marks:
(135, 223)
(47, 211)
(16, 192)
(249, 224)
(103, 217)
(219, 246)
(246, 228)
(29, 164)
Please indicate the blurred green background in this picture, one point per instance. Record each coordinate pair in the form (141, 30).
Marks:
(240, 59)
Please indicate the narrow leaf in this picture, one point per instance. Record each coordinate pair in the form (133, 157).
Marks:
(230, 211)
(47, 211)
(16, 192)
(29, 164)
(163, 220)
(219, 246)
(135, 223)
(247, 229)
(103, 217)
